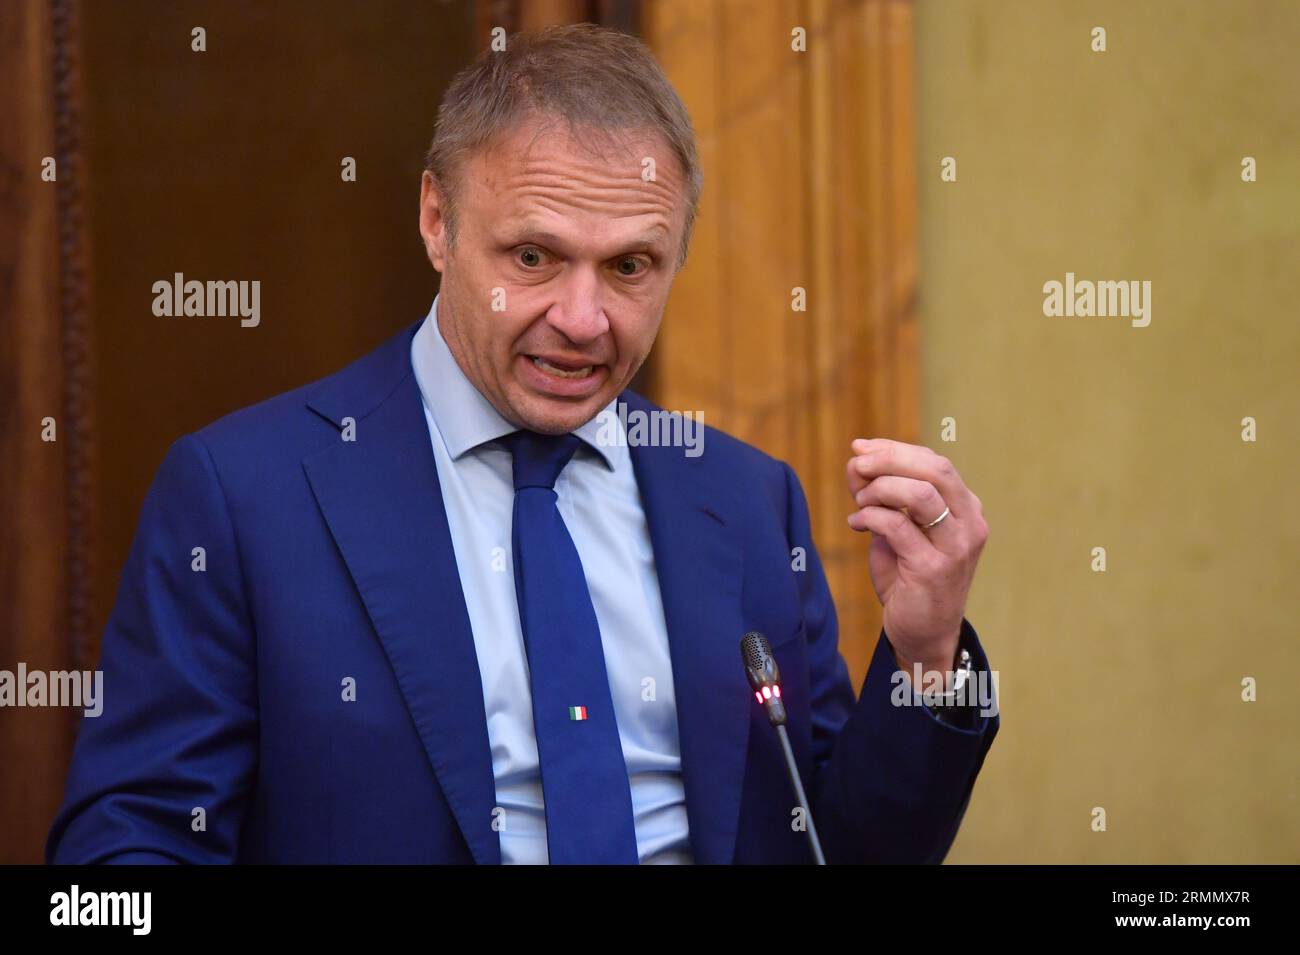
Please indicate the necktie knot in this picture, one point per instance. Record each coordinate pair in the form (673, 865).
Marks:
(539, 458)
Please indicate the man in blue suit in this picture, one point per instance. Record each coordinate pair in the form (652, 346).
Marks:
(447, 606)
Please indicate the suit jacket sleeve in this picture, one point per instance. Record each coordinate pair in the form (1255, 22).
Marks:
(178, 728)
(891, 783)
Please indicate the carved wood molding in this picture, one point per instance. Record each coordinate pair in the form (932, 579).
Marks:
(74, 304)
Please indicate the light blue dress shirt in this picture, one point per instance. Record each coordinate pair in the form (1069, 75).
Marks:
(601, 506)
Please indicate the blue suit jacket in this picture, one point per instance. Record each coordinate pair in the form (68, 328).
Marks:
(225, 736)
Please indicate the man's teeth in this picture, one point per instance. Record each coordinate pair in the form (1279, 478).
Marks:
(550, 369)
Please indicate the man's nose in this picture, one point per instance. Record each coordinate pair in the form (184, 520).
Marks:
(579, 312)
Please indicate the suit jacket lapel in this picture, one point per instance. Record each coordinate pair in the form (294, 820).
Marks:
(693, 530)
(381, 498)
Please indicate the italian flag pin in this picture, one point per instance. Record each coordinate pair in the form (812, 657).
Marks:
(577, 712)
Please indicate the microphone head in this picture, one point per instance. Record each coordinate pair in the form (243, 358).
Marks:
(759, 662)
(764, 675)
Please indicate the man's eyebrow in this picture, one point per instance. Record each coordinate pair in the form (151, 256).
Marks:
(649, 239)
(522, 233)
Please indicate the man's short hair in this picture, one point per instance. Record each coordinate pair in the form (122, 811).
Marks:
(598, 81)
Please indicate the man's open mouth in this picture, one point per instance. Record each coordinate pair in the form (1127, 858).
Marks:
(562, 370)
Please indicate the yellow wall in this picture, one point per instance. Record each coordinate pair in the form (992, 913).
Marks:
(1122, 689)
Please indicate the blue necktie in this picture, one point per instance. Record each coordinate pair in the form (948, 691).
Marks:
(584, 777)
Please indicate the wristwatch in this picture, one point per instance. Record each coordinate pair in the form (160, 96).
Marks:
(956, 707)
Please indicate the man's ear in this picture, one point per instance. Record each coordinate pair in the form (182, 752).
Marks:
(433, 224)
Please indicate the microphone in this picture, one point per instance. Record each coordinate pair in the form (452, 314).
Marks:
(764, 675)
(765, 679)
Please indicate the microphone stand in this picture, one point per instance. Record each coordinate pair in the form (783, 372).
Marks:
(765, 679)
(795, 781)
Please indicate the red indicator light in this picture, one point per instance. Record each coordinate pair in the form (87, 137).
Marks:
(777, 691)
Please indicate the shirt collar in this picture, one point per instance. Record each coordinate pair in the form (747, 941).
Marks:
(465, 418)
